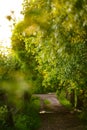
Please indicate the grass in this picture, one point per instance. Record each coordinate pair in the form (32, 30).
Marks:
(46, 102)
(64, 101)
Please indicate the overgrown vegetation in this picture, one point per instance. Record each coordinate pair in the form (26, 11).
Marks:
(50, 54)
(63, 99)
(51, 44)
(23, 117)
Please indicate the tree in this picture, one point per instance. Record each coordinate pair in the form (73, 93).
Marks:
(51, 42)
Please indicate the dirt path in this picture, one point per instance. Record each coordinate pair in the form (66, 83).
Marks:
(55, 117)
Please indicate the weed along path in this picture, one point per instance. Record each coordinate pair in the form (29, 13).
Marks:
(56, 117)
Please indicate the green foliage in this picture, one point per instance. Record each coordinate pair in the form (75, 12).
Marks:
(50, 46)
(35, 103)
(8, 66)
(51, 43)
(24, 117)
(63, 100)
(26, 122)
(28, 119)
(3, 116)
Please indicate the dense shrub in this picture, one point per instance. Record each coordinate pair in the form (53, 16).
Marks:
(28, 119)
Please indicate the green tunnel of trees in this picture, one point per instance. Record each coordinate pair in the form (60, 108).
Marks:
(50, 48)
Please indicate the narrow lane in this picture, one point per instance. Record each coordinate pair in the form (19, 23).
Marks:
(56, 117)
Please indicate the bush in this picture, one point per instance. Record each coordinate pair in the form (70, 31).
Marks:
(27, 122)
(63, 100)
(28, 118)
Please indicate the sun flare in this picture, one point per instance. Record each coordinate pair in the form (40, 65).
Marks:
(6, 6)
